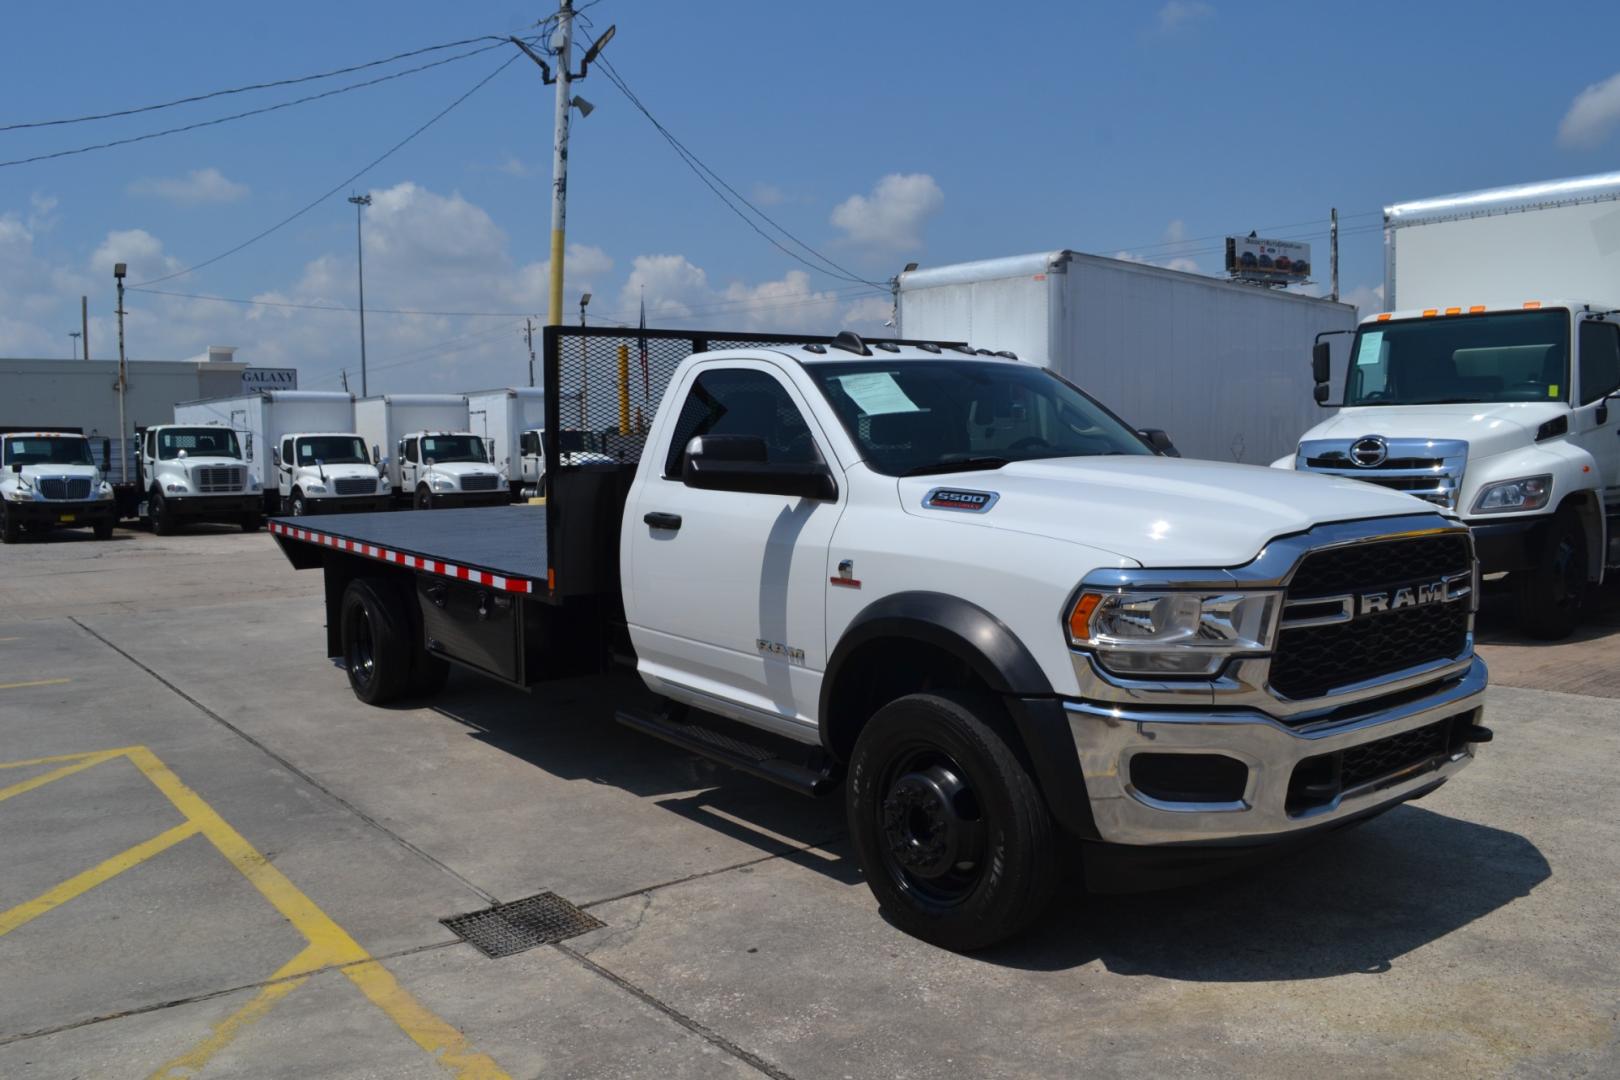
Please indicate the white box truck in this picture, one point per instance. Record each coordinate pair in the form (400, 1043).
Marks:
(337, 478)
(1214, 363)
(500, 417)
(1488, 387)
(431, 457)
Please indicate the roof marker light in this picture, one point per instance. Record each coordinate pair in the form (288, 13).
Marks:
(1532, 304)
(1429, 313)
(1475, 309)
(1453, 311)
(1384, 317)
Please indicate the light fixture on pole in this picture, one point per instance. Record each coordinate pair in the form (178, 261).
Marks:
(73, 336)
(119, 270)
(360, 203)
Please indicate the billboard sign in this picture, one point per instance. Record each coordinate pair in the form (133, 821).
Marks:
(1274, 262)
(266, 378)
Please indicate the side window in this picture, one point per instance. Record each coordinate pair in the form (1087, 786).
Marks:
(741, 402)
(1600, 360)
(530, 443)
(287, 452)
(410, 450)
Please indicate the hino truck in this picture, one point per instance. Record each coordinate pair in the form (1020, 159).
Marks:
(501, 417)
(1488, 388)
(1213, 362)
(301, 446)
(958, 591)
(430, 456)
(196, 472)
(50, 480)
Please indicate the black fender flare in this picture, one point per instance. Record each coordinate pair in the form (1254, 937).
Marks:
(989, 648)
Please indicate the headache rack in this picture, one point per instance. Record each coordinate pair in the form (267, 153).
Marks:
(603, 385)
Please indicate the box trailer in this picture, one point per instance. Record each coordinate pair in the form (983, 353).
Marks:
(500, 417)
(264, 417)
(1213, 362)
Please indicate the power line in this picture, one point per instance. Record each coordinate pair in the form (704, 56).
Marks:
(246, 89)
(704, 173)
(479, 85)
(250, 112)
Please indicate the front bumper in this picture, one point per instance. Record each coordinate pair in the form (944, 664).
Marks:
(214, 506)
(1506, 546)
(69, 514)
(1270, 807)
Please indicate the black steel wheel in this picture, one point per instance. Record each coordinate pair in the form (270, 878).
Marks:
(377, 650)
(424, 498)
(10, 527)
(157, 508)
(1552, 595)
(948, 826)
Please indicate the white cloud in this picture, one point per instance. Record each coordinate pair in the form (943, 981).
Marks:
(680, 293)
(142, 251)
(1177, 14)
(198, 186)
(1592, 116)
(1175, 232)
(891, 218)
(1365, 298)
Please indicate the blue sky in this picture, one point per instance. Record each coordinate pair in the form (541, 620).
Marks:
(880, 133)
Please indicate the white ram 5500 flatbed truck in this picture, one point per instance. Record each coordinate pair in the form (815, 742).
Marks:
(1488, 391)
(960, 591)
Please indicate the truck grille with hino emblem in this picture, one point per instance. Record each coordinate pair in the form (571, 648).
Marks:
(219, 480)
(1368, 610)
(1431, 469)
(65, 487)
(479, 483)
(354, 485)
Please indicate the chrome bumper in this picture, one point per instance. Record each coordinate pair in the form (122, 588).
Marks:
(1108, 736)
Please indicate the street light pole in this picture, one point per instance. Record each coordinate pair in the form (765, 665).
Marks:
(360, 203)
(119, 270)
(73, 348)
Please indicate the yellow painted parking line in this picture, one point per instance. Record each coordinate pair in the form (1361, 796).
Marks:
(329, 944)
(79, 884)
(33, 682)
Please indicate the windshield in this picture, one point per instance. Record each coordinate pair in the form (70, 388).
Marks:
(1508, 356)
(332, 450)
(48, 450)
(920, 416)
(443, 448)
(198, 442)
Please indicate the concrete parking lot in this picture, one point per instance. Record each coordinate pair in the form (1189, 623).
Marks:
(214, 861)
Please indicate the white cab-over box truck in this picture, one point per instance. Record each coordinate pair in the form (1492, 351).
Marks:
(960, 588)
(431, 457)
(500, 417)
(1212, 362)
(1489, 386)
(301, 445)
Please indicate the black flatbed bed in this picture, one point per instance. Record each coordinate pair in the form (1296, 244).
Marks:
(506, 544)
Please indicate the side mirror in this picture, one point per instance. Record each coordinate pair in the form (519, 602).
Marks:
(739, 463)
(1160, 442)
(1321, 392)
(376, 453)
(275, 456)
(16, 466)
(1321, 357)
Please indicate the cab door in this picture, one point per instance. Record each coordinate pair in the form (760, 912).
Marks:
(1595, 427)
(284, 469)
(409, 467)
(726, 590)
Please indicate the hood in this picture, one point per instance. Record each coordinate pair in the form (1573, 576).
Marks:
(45, 469)
(202, 461)
(1159, 511)
(347, 469)
(1486, 428)
(464, 468)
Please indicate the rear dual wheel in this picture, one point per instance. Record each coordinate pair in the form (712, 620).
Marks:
(948, 826)
(382, 650)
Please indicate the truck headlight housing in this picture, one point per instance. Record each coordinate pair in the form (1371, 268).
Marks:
(1158, 632)
(1525, 493)
(316, 489)
(442, 484)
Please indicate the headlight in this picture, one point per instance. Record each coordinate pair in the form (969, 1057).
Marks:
(1157, 632)
(253, 483)
(441, 484)
(175, 489)
(1526, 493)
(315, 489)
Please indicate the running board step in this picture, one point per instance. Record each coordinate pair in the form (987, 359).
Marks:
(732, 752)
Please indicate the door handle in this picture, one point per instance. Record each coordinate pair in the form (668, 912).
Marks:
(658, 520)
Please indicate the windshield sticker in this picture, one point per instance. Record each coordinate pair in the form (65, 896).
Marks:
(1372, 348)
(877, 393)
(972, 502)
(1552, 391)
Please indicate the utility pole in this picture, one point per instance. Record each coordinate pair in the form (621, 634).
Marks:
(562, 44)
(345, 373)
(528, 331)
(1333, 251)
(360, 203)
(84, 324)
(123, 379)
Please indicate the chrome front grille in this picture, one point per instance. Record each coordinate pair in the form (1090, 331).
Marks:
(479, 483)
(1431, 469)
(1366, 611)
(354, 485)
(219, 480)
(65, 487)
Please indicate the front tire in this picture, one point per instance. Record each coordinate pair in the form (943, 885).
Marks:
(948, 826)
(376, 641)
(1550, 596)
(252, 522)
(298, 508)
(10, 527)
(163, 523)
(103, 529)
(424, 498)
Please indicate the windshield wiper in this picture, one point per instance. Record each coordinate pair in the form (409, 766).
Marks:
(971, 464)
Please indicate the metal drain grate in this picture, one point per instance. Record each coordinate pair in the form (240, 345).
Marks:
(511, 928)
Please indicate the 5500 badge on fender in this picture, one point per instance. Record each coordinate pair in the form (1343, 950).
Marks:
(973, 502)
